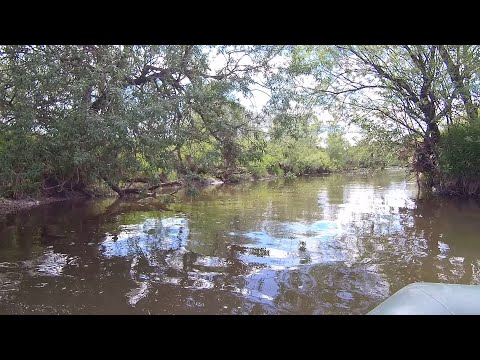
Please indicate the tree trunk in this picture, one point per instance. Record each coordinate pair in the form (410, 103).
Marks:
(133, 191)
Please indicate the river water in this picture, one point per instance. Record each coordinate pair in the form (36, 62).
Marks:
(338, 244)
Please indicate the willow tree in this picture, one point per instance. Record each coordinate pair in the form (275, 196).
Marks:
(412, 91)
(71, 115)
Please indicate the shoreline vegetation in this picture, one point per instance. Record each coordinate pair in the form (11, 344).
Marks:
(9, 206)
(81, 120)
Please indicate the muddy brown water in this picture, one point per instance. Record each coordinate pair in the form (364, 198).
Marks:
(338, 244)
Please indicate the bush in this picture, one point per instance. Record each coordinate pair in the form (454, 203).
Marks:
(267, 165)
(258, 169)
(291, 156)
(20, 165)
(460, 152)
(315, 161)
(459, 161)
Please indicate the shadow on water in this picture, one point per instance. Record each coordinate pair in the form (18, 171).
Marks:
(338, 244)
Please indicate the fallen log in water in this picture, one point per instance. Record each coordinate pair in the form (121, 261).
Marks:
(122, 192)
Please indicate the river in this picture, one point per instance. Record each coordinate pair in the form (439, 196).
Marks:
(338, 244)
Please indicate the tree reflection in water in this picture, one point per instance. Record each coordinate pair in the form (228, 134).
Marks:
(334, 245)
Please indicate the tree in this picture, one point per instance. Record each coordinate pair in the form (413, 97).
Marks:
(337, 147)
(73, 116)
(82, 114)
(411, 90)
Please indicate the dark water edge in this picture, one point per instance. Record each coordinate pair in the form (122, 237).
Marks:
(338, 244)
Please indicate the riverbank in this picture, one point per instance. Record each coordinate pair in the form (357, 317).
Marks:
(8, 206)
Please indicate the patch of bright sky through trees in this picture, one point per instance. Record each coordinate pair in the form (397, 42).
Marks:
(260, 95)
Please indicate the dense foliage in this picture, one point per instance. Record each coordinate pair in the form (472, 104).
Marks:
(77, 117)
(460, 160)
(410, 94)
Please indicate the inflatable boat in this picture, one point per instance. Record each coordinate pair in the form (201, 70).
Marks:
(424, 298)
